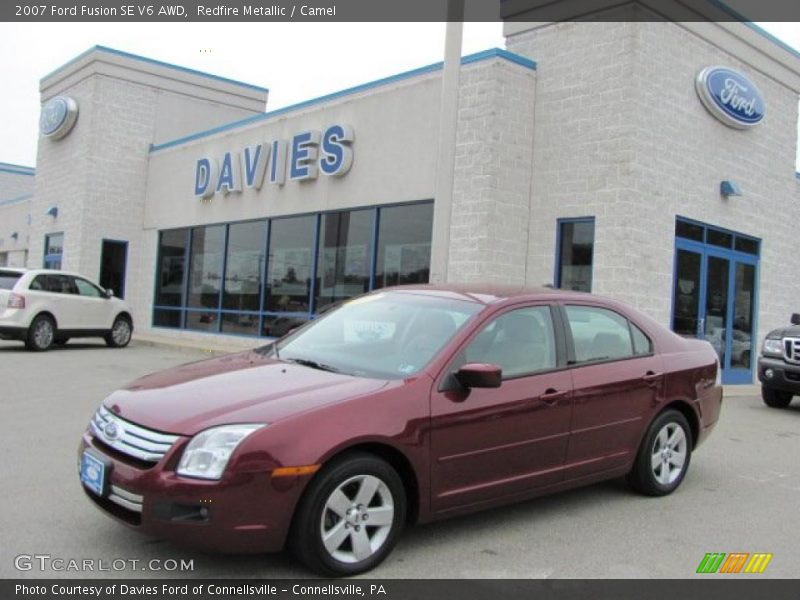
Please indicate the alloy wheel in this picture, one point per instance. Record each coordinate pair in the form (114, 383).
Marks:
(357, 518)
(43, 334)
(121, 333)
(669, 452)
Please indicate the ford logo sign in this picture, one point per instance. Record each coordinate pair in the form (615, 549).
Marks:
(58, 117)
(730, 97)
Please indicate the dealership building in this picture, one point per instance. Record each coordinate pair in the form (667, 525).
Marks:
(652, 162)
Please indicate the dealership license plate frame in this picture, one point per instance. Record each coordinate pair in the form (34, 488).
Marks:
(95, 481)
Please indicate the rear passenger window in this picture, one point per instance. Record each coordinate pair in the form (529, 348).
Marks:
(520, 342)
(8, 279)
(599, 334)
(641, 343)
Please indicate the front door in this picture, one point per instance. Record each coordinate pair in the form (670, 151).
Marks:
(490, 443)
(113, 263)
(714, 297)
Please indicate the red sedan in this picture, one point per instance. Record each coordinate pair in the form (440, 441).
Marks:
(404, 405)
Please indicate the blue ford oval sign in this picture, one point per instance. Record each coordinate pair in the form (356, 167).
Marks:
(58, 117)
(730, 97)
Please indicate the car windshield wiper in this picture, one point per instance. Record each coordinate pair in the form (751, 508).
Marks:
(313, 364)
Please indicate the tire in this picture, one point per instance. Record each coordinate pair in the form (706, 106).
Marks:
(775, 398)
(664, 456)
(120, 334)
(330, 505)
(41, 334)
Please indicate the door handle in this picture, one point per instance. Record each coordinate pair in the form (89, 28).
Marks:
(551, 396)
(651, 378)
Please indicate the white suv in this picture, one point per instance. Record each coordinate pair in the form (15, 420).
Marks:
(42, 307)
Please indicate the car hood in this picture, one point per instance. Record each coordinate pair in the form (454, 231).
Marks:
(791, 331)
(238, 388)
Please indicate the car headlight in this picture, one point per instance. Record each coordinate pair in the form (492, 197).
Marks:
(208, 452)
(773, 346)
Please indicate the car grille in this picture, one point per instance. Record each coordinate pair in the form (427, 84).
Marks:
(791, 349)
(121, 435)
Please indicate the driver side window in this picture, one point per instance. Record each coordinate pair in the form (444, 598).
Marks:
(520, 342)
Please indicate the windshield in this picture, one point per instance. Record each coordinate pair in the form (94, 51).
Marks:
(389, 335)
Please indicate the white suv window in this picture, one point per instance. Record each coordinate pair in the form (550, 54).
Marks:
(8, 279)
(87, 289)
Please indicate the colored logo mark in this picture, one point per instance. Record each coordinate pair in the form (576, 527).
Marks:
(735, 562)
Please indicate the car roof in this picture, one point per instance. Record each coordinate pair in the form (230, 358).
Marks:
(53, 272)
(485, 293)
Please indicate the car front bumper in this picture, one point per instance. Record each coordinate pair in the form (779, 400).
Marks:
(785, 377)
(242, 513)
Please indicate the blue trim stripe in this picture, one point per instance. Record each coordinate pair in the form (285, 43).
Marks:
(466, 60)
(17, 169)
(17, 200)
(153, 61)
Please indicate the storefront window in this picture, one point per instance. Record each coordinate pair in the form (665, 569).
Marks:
(575, 254)
(291, 252)
(267, 277)
(404, 245)
(244, 264)
(344, 256)
(171, 266)
(53, 250)
(205, 273)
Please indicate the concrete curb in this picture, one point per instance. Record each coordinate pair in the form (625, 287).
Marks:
(192, 346)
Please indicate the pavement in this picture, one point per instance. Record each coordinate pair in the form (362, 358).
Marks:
(740, 495)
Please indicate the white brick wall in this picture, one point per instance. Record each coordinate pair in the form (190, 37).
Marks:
(494, 143)
(621, 135)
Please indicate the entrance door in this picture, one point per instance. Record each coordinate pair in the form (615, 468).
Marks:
(714, 295)
(113, 262)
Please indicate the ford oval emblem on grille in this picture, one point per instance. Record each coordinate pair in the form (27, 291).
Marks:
(111, 431)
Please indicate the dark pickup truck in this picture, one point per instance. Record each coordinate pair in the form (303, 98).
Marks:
(779, 365)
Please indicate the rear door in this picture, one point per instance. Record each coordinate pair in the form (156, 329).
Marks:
(57, 294)
(491, 443)
(617, 381)
(94, 307)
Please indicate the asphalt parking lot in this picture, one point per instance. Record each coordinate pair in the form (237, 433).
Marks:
(740, 495)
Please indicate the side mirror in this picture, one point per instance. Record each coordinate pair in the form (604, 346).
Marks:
(109, 293)
(480, 375)
(796, 319)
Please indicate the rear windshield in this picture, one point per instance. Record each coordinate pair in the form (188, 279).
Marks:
(8, 279)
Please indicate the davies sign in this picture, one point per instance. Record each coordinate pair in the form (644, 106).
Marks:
(303, 157)
(730, 97)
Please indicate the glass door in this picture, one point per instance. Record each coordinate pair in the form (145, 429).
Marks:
(714, 299)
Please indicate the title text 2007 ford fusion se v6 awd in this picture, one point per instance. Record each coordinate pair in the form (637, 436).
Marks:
(405, 405)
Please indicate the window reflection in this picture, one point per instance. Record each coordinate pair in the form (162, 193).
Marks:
(576, 252)
(289, 264)
(244, 263)
(208, 244)
(172, 250)
(404, 245)
(344, 256)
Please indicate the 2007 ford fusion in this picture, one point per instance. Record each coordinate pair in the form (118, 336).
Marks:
(402, 406)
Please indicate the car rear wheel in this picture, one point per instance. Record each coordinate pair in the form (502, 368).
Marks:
(775, 398)
(350, 517)
(664, 456)
(41, 334)
(120, 334)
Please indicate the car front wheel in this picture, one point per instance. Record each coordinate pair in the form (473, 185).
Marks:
(120, 334)
(664, 456)
(350, 517)
(775, 398)
(41, 334)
